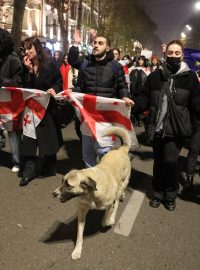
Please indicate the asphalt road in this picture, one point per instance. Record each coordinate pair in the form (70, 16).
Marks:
(38, 232)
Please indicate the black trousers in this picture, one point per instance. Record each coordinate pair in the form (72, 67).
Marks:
(165, 169)
(34, 166)
(194, 150)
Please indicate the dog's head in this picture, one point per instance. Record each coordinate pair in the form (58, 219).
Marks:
(74, 184)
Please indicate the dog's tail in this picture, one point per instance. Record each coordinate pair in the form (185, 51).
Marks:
(120, 132)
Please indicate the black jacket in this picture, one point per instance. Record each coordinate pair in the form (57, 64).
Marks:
(137, 81)
(49, 137)
(11, 71)
(101, 78)
(183, 103)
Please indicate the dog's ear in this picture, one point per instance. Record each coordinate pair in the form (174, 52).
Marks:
(88, 183)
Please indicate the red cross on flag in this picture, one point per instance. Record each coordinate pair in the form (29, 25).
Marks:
(18, 104)
(97, 113)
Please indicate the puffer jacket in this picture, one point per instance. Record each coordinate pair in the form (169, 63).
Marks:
(101, 78)
(185, 94)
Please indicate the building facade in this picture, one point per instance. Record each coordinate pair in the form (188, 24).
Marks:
(41, 19)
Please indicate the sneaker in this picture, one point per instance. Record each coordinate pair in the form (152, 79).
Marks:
(154, 202)
(15, 169)
(187, 185)
(170, 205)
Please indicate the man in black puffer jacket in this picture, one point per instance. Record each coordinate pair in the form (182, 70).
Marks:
(99, 75)
(172, 96)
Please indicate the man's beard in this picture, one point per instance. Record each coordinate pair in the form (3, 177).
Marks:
(99, 55)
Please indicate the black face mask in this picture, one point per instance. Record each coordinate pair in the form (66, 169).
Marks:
(173, 63)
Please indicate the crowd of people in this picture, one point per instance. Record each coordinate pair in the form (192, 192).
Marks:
(164, 96)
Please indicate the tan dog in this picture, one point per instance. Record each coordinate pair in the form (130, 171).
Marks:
(101, 186)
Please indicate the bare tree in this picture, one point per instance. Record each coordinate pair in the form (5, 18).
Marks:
(63, 8)
(18, 14)
(92, 23)
(80, 9)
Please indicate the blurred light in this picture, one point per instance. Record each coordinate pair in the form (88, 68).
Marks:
(197, 5)
(49, 45)
(183, 35)
(48, 7)
(57, 46)
(189, 28)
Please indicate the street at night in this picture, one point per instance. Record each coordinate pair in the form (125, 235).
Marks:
(38, 232)
(100, 134)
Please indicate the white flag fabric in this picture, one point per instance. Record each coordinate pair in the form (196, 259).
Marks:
(22, 107)
(97, 113)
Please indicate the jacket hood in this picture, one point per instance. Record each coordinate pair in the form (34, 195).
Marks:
(109, 57)
(166, 72)
(184, 68)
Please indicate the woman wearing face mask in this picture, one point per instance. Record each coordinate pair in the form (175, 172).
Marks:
(172, 96)
(126, 63)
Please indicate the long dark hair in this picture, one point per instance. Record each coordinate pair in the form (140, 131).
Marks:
(43, 57)
(142, 57)
(6, 43)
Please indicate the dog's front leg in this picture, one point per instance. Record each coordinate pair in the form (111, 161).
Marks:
(107, 215)
(113, 215)
(110, 214)
(76, 254)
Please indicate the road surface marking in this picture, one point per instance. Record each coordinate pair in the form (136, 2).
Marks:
(127, 219)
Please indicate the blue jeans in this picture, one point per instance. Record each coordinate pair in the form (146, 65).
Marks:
(91, 150)
(14, 139)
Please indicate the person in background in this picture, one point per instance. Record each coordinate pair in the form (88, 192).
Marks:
(117, 54)
(126, 63)
(69, 74)
(44, 75)
(57, 58)
(138, 77)
(11, 72)
(155, 63)
(172, 96)
(192, 156)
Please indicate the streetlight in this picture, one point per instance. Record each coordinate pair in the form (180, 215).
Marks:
(183, 35)
(189, 28)
(197, 5)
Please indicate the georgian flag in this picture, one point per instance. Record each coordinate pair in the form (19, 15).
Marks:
(97, 113)
(20, 107)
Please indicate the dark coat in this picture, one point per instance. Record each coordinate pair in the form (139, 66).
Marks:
(11, 71)
(101, 78)
(185, 96)
(137, 81)
(49, 137)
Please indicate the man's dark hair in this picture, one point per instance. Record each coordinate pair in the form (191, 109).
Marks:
(108, 42)
(6, 43)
